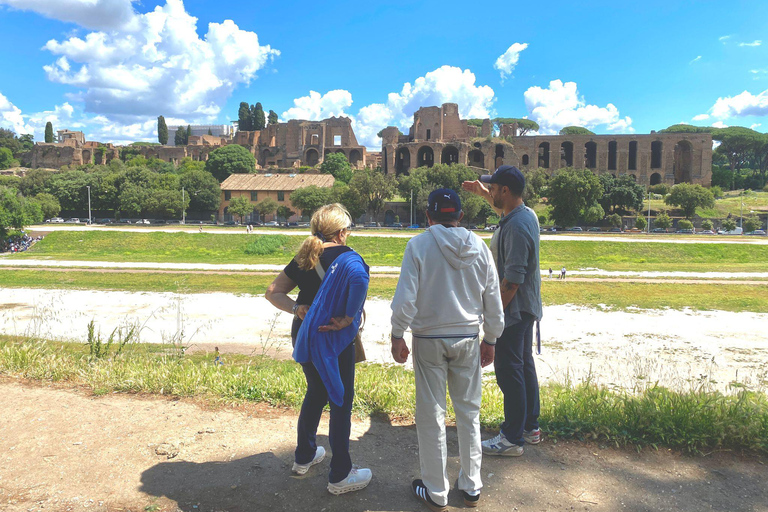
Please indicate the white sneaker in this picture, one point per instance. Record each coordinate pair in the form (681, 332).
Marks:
(301, 469)
(500, 446)
(358, 478)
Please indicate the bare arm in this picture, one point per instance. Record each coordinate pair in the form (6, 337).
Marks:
(277, 294)
(508, 291)
(478, 188)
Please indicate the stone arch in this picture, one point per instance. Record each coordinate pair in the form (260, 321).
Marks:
(402, 161)
(340, 151)
(389, 218)
(590, 155)
(525, 160)
(683, 161)
(612, 155)
(476, 158)
(450, 155)
(632, 157)
(656, 148)
(355, 157)
(312, 157)
(655, 178)
(566, 154)
(265, 156)
(499, 156)
(425, 156)
(544, 155)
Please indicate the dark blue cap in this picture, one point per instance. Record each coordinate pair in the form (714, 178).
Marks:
(507, 176)
(444, 204)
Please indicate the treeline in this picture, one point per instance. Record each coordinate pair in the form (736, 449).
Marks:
(252, 117)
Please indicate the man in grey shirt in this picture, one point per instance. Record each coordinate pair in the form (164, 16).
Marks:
(515, 247)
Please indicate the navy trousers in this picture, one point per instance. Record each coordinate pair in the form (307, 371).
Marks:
(341, 417)
(516, 377)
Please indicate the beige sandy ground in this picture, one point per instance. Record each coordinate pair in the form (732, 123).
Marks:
(675, 348)
(65, 450)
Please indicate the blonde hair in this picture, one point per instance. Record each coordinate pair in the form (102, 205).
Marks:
(326, 223)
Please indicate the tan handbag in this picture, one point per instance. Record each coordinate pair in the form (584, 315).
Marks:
(359, 350)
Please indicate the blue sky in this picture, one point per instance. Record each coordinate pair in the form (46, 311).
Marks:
(109, 67)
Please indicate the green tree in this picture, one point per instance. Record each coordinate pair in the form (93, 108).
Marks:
(16, 211)
(272, 118)
(684, 224)
(374, 187)
(210, 132)
(268, 206)
(162, 131)
(662, 221)
(621, 193)
(687, 128)
(34, 182)
(244, 117)
(614, 220)
(178, 138)
(576, 130)
(524, 125)
(164, 203)
(69, 187)
(259, 119)
(572, 193)
(689, 197)
(6, 158)
(641, 223)
(202, 189)
(535, 183)
(48, 132)
(751, 224)
(661, 189)
(349, 197)
(309, 199)
(728, 225)
(716, 191)
(188, 134)
(131, 199)
(337, 165)
(707, 225)
(285, 212)
(737, 145)
(230, 159)
(17, 145)
(241, 206)
(48, 204)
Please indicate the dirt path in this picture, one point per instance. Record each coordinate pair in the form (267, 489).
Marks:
(65, 450)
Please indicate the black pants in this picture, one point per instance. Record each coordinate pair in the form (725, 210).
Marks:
(516, 377)
(341, 417)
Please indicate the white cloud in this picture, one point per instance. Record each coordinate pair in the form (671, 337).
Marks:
(507, 61)
(723, 38)
(741, 105)
(560, 105)
(701, 117)
(756, 126)
(719, 124)
(91, 14)
(756, 42)
(316, 106)
(695, 60)
(11, 117)
(155, 64)
(62, 116)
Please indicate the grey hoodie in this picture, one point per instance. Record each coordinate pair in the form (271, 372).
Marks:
(448, 287)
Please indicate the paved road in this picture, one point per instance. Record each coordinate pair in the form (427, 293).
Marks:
(675, 239)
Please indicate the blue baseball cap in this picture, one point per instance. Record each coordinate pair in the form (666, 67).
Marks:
(507, 176)
(444, 204)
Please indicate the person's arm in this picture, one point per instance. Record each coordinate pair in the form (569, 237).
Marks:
(404, 303)
(478, 188)
(493, 308)
(277, 294)
(517, 250)
(508, 291)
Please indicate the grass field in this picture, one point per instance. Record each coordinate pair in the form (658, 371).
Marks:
(213, 248)
(695, 420)
(615, 295)
(756, 202)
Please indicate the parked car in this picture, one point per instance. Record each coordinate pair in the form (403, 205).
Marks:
(73, 220)
(757, 232)
(414, 226)
(575, 228)
(371, 225)
(707, 232)
(658, 230)
(492, 227)
(271, 224)
(684, 231)
(595, 230)
(55, 220)
(615, 230)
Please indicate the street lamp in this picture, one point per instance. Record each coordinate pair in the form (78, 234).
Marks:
(648, 228)
(89, 204)
(183, 210)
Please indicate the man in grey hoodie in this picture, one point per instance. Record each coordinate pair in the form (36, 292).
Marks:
(448, 288)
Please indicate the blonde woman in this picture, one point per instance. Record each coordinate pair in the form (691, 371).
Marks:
(333, 283)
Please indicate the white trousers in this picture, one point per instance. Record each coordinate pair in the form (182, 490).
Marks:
(455, 362)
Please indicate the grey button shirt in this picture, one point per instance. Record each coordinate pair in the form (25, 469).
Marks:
(515, 247)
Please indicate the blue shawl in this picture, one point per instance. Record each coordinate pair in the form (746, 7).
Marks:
(342, 293)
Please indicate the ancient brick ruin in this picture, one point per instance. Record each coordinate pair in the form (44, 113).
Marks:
(71, 149)
(438, 135)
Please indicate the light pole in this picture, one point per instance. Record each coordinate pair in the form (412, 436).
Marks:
(183, 210)
(741, 217)
(89, 204)
(649, 212)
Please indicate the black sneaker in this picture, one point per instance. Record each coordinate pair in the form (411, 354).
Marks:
(469, 500)
(421, 492)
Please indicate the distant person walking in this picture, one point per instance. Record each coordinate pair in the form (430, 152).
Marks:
(562, 273)
(550, 272)
(515, 246)
(448, 287)
(327, 316)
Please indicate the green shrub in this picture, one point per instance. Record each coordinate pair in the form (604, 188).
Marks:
(684, 224)
(641, 223)
(659, 188)
(267, 245)
(716, 191)
(706, 225)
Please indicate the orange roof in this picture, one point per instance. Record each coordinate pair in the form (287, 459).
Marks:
(275, 181)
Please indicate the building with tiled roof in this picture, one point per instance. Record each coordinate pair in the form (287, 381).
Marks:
(258, 187)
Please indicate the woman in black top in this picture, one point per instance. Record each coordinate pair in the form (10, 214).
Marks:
(330, 228)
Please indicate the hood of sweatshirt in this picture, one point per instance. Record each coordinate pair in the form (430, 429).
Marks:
(458, 245)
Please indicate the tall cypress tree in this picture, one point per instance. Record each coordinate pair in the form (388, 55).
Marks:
(244, 117)
(188, 134)
(48, 132)
(272, 119)
(162, 131)
(210, 132)
(260, 119)
(178, 139)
